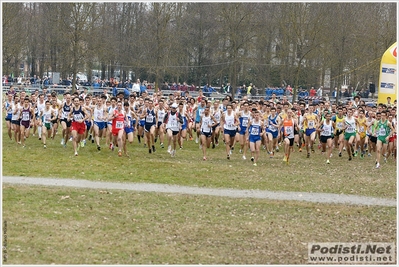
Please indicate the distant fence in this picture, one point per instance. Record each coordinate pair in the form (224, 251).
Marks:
(61, 89)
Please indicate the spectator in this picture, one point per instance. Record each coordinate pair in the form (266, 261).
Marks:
(114, 90)
(136, 87)
(320, 91)
(143, 89)
(312, 92)
(249, 89)
(192, 87)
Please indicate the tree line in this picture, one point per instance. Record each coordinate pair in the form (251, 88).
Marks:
(268, 44)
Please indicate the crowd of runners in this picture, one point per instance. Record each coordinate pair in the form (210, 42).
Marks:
(352, 129)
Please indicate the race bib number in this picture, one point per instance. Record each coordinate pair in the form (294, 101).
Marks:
(382, 131)
(25, 116)
(289, 131)
(340, 125)
(149, 118)
(311, 124)
(350, 129)
(119, 125)
(77, 117)
(255, 131)
(361, 129)
(272, 128)
(244, 122)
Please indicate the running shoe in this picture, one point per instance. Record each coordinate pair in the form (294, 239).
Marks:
(350, 158)
(119, 153)
(62, 141)
(92, 141)
(362, 155)
(369, 154)
(173, 153)
(204, 158)
(308, 155)
(44, 146)
(82, 144)
(230, 152)
(228, 156)
(385, 160)
(377, 165)
(277, 150)
(255, 164)
(162, 145)
(76, 153)
(153, 148)
(111, 146)
(355, 154)
(181, 147)
(285, 159)
(155, 140)
(240, 151)
(98, 148)
(300, 149)
(344, 149)
(244, 157)
(312, 150)
(213, 145)
(328, 162)
(149, 151)
(252, 159)
(271, 154)
(191, 138)
(232, 148)
(340, 154)
(196, 140)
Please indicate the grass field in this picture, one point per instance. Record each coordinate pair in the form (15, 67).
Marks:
(92, 227)
(187, 168)
(118, 227)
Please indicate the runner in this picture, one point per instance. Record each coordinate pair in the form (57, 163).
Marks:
(207, 121)
(272, 130)
(15, 119)
(183, 129)
(289, 124)
(326, 131)
(118, 119)
(7, 107)
(172, 119)
(40, 106)
(89, 121)
(78, 115)
(384, 131)
(110, 111)
(160, 130)
(229, 124)
(254, 131)
(64, 112)
(244, 116)
(339, 121)
(310, 124)
(361, 133)
(198, 111)
(350, 132)
(216, 112)
(54, 122)
(130, 126)
(26, 119)
(45, 118)
(151, 122)
(100, 117)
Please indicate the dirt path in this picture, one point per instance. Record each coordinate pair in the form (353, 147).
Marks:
(235, 193)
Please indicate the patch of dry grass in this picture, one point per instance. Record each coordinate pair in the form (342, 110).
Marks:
(117, 227)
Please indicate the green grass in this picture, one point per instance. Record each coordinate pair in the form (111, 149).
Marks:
(118, 227)
(187, 168)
